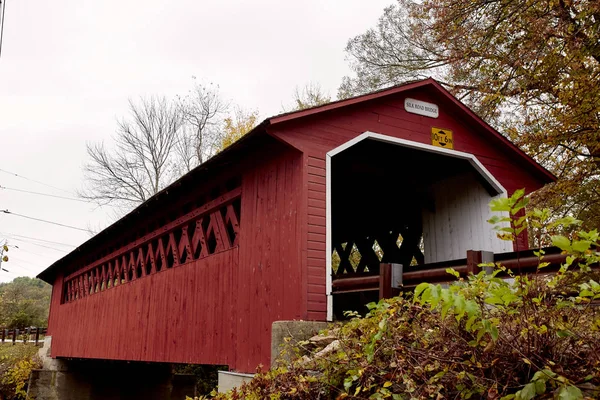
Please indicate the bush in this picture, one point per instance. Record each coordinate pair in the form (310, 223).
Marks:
(16, 363)
(481, 338)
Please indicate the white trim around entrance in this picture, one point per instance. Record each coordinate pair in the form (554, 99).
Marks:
(493, 182)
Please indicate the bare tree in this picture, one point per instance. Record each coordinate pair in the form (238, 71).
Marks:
(143, 159)
(158, 142)
(202, 110)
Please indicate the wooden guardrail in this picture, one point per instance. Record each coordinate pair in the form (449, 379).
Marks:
(23, 335)
(520, 263)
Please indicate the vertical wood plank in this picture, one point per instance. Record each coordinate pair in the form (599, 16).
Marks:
(385, 281)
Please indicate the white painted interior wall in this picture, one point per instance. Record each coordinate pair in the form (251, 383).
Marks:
(459, 222)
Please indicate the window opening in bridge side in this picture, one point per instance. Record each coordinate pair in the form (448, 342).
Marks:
(211, 227)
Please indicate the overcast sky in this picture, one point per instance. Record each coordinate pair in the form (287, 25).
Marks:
(68, 68)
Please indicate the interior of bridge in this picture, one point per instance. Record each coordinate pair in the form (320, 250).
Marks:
(379, 191)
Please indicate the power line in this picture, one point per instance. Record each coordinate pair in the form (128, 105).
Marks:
(30, 252)
(38, 239)
(12, 264)
(44, 220)
(3, 4)
(36, 244)
(33, 180)
(20, 260)
(45, 194)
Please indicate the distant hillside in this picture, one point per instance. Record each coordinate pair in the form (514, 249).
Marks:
(24, 302)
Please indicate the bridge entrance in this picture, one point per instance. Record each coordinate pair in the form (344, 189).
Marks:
(396, 201)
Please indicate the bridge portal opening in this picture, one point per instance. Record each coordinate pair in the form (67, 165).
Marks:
(396, 201)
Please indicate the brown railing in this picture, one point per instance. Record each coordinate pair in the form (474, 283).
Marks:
(524, 262)
(209, 229)
(23, 335)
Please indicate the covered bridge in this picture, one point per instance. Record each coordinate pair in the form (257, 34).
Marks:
(260, 232)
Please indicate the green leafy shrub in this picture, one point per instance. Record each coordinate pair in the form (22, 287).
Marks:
(16, 363)
(492, 335)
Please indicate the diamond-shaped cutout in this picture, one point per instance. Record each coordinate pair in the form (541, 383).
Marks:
(335, 261)
(228, 225)
(211, 241)
(198, 250)
(130, 274)
(96, 280)
(159, 263)
(109, 275)
(138, 269)
(378, 250)
(170, 259)
(399, 240)
(184, 255)
(354, 257)
(148, 263)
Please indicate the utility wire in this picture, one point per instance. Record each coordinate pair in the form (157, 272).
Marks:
(44, 194)
(33, 180)
(12, 264)
(38, 239)
(44, 220)
(36, 244)
(3, 4)
(30, 252)
(20, 260)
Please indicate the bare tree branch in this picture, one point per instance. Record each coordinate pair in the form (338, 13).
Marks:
(202, 111)
(158, 141)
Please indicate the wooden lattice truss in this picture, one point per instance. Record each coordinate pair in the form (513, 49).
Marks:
(382, 247)
(211, 228)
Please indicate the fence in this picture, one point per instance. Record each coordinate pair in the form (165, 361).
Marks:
(24, 335)
(523, 262)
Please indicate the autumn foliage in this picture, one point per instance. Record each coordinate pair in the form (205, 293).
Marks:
(531, 68)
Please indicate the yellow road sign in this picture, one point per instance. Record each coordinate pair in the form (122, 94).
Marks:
(442, 138)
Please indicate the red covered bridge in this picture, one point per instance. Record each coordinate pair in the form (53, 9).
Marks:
(198, 273)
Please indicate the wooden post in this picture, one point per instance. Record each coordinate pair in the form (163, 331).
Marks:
(37, 335)
(385, 281)
(15, 333)
(476, 257)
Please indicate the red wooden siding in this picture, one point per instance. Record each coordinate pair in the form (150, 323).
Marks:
(316, 261)
(178, 315)
(270, 279)
(217, 306)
